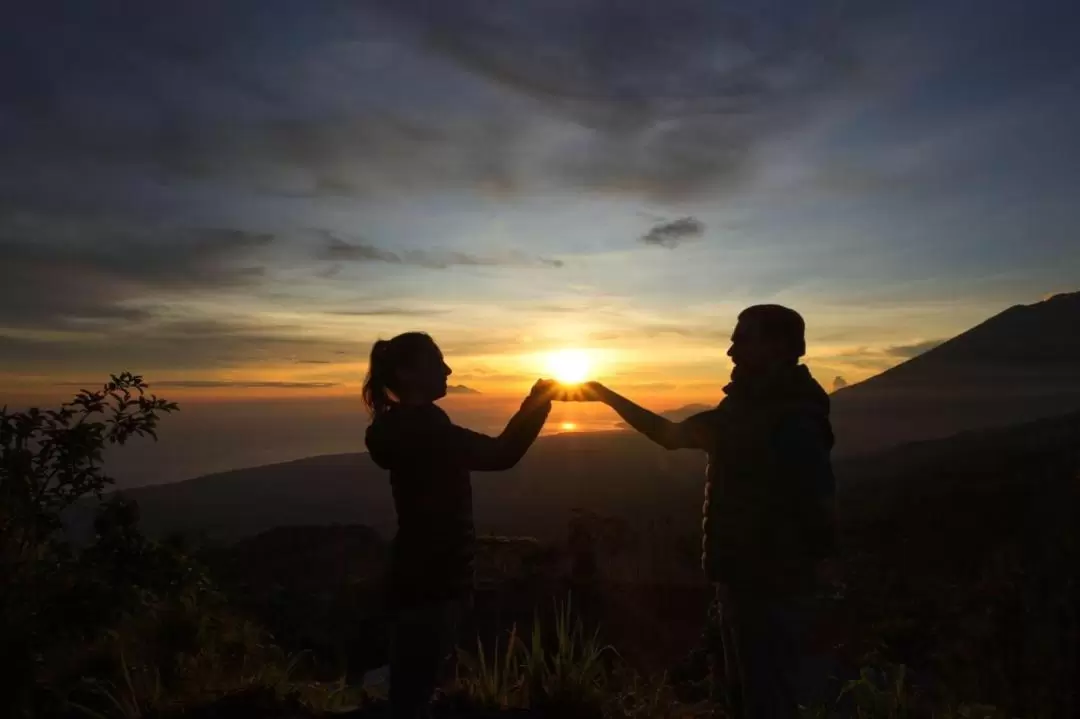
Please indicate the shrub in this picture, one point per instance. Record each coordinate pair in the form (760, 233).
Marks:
(123, 627)
(49, 461)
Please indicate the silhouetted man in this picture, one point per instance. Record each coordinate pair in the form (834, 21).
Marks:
(768, 511)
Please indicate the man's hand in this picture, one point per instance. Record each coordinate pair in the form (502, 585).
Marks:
(584, 392)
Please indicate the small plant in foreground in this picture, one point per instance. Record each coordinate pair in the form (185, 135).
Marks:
(492, 684)
(573, 672)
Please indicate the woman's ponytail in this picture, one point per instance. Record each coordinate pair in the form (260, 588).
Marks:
(376, 390)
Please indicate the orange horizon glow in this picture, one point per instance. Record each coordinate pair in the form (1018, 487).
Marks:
(668, 374)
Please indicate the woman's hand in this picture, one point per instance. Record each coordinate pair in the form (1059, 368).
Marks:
(543, 391)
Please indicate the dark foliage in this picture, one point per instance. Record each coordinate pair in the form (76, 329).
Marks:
(51, 595)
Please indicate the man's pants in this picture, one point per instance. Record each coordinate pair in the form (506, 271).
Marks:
(760, 645)
(421, 639)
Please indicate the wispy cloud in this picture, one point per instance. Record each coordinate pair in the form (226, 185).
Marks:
(499, 377)
(461, 389)
(389, 312)
(912, 350)
(651, 330)
(674, 233)
(340, 250)
(213, 384)
(243, 384)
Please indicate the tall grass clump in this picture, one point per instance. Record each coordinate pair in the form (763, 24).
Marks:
(571, 671)
(561, 669)
(491, 683)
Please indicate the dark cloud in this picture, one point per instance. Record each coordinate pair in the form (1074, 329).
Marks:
(461, 389)
(169, 345)
(59, 273)
(340, 250)
(344, 153)
(913, 350)
(674, 233)
(354, 154)
(574, 55)
(330, 273)
(269, 97)
(313, 361)
(344, 99)
(665, 99)
(680, 95)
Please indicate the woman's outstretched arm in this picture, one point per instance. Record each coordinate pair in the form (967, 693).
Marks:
(426, 436)
(491, 454)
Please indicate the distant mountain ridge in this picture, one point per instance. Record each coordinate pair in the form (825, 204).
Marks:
(614, 473)
(678, 414)
(617, 472)
(1019, 365)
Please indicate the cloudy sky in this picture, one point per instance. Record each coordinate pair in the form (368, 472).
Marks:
(236, 198)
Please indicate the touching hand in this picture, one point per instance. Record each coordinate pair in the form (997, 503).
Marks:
(544, 390)
(584, 392)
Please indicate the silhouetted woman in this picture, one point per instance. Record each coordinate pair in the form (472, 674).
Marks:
(429, 458)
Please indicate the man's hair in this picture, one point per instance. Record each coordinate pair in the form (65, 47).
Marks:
(779, 323)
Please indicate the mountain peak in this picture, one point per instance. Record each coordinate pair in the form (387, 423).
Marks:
(1019, 365)
(1062, 297)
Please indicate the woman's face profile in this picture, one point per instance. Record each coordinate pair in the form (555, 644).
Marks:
(426, 376)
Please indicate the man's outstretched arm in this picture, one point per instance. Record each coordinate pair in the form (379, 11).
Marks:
(692, 433)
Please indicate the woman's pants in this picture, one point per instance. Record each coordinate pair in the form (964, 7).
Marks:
(422, 638)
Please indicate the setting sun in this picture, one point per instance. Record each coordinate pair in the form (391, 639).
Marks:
(569, 366)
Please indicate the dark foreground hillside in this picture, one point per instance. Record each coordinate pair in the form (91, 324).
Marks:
(958, 596)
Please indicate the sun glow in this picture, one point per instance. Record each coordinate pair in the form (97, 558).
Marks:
(569, 366)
